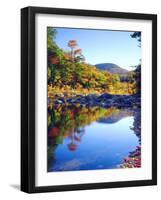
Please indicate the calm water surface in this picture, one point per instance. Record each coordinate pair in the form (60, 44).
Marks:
(81, 138)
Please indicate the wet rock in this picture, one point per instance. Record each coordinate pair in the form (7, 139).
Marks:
(58, 101)
(104, 100)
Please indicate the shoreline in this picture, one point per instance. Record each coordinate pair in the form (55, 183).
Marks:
(104, 100)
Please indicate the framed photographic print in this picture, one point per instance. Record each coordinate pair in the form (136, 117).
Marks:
(88, 99)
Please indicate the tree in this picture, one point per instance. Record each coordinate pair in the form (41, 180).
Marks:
(72, 44)
(78, 57)
(137, 75)
(137, 35)
(51, 34)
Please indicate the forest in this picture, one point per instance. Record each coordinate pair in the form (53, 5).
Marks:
(69, 74)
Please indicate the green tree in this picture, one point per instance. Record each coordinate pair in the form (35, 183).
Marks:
(51, 34)
(137, 35)
(137, 74)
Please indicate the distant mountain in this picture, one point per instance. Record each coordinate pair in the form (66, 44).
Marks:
(112, 68)
(122, 113)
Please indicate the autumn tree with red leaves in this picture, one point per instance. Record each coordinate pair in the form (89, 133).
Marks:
(76, 54)
(72, 44)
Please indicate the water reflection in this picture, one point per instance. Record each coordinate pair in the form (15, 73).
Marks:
(85, 138)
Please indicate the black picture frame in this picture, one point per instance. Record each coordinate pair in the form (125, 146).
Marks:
(28, 98)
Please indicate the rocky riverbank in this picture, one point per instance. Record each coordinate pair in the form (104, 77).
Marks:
(133, 160)
(104, 100)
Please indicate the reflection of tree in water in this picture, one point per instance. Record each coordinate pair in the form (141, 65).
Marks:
(54, 140)
(137, 124)
(134, 158)
(75, 137)
(69, 122)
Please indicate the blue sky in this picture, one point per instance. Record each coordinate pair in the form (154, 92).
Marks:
(102, 46)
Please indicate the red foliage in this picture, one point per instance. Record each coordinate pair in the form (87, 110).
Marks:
(72, 43)
(72, 147)
(54, 132)
(78, 51)
(53, 60)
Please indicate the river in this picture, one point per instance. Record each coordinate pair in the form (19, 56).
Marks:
(88, 138)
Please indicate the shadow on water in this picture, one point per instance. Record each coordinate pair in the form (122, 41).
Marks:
(78, 133)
